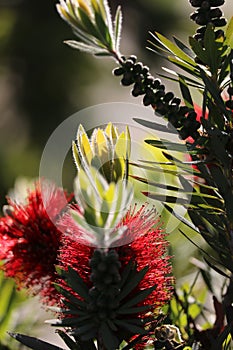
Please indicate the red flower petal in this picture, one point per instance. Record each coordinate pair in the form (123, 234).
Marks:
(29, 240)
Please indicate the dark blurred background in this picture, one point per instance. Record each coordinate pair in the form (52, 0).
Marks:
(42, 81)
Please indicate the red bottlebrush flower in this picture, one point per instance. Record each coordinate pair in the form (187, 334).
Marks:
(30, 239)
(147, 249)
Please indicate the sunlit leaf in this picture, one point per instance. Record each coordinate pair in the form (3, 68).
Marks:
(229, 34)
(173, 48)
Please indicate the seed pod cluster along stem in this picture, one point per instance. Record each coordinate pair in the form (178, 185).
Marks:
(164, 103)
(207, 12)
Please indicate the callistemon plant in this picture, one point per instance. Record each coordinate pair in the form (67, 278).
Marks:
(113, 273)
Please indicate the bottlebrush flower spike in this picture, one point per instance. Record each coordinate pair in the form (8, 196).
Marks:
(29, 240)
(93, 25)
(110, 294)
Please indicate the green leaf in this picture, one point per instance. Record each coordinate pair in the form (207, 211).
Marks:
(182, 219)
(73, 279)
(198, 49)
(86, 328)
(68, 341)
(131, 327)
(85, 48)
(110, 339)
(73, 321)
(163, 170)
(133, 310)
(126, 273)
(141, 295)
(157, 184)
(74, 300)
(214, 91)
(212, 53)
(229, 34)
(87, 23)
(215, 268)
(199, 248)
(166, 198)
(224, 70)
(132, 282)
(33, 343)
(185, 93)
(184, 48)
(189, 81)
(186, 67)
(167, 145)
(155, 126)
(103, 30)
(76, 283)
(118, 27)
(174, 49)
(87, 344)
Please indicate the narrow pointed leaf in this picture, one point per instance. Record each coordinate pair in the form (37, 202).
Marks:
(141, 295)
(174, 49)
(109, 338)
(186, 67)
(132, 328)
(155, 126)
(34, 343)
(133, 282)
(229, 34)
(182, 219)
(167, 145)
(198, 49)
(118, 27)
(68, 341)
(184, 48)
(166, 198)
(84, 47)
(185, 93)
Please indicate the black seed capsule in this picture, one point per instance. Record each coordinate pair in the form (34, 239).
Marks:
(156, 84)
(229, 104)
(215, 3)
(184, 133)
(133, 58)
(168, 97)
(196, 3)
(176, 100)
(128, 64)
(219, 22)
(201, 30)
(215, 13)
(219, 34)
(137, 90)
(147, 100)
(118, 71)
(202, 18)
(127, 79)
(138, 67)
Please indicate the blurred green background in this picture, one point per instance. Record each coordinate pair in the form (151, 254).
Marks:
(42, 81)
